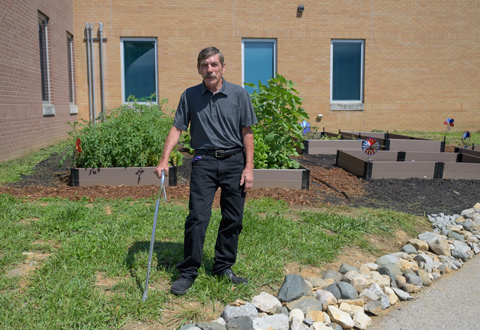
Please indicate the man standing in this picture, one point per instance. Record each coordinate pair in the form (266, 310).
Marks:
(220, 115)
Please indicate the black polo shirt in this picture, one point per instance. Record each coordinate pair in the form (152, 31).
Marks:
(216, 120)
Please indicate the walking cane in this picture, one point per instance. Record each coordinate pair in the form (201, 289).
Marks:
(152, 242)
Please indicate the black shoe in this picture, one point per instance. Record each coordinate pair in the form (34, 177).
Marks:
(231, 277)
(181, 285)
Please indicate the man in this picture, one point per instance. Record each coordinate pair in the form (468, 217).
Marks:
(220, 115)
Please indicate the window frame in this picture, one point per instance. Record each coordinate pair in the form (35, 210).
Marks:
(44, 62)
(72, 81)
(274, 41)
(122, 62)
(362, 69)
(71, 68)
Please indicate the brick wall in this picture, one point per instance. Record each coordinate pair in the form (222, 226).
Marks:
(23, 127)
(422, 58)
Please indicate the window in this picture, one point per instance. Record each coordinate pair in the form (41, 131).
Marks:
(139, 69)
(43, 43)
(71, 68)
(346, 72)
(259, 61)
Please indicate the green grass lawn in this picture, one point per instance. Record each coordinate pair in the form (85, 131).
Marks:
(452, 137)
(82, 265)
(88, 261)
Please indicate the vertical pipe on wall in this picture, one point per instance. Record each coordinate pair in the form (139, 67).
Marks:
(92, 67)
(88, 74)
(100, 29)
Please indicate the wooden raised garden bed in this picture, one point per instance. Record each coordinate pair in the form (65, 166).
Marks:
(140, 176)
(116, 176)
(415, 145)
(399, 142)
(330, 147)
(411, 164)
(282, 178)
(353, 141)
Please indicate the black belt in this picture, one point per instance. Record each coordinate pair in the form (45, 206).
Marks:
(218, 153)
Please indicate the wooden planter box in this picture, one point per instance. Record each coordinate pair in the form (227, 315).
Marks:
(380, 135)
(140, 176)
(353, 141)
(470, 150)
(403, 165)
(330, 147)
(467, 171)
(116, 176)
(415, 145)
(282, 178)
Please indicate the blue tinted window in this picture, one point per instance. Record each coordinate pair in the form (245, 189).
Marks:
(259, 62)
(347, 71)
(139, 66)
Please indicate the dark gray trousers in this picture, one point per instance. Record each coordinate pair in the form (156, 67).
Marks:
(209, 174)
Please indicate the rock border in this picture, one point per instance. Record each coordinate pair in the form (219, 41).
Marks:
(350, 297)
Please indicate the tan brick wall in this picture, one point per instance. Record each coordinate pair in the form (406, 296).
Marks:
(23, 128)
(422, 58)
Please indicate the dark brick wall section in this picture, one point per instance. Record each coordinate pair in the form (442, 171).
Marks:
(23, 127)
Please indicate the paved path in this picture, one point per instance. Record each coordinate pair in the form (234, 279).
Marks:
(452, 302)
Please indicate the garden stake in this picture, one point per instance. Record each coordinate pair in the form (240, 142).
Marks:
(161, 191)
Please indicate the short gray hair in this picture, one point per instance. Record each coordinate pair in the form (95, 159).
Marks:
(207, 52)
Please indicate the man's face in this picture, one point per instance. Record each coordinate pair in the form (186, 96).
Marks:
(211, 70)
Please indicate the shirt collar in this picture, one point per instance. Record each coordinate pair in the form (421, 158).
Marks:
(223, 89)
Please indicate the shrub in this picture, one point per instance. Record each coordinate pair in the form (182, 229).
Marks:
(128, 136)
(278, 133)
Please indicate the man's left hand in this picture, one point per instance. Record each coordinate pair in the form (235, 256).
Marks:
(247, 179)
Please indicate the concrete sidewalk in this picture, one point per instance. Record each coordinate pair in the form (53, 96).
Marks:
(452, 302)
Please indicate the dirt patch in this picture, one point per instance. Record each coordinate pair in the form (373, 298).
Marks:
(33, 261)
(302, 270)
(105, 282)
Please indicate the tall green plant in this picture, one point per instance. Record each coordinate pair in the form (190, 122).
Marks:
(131, 135)
(278, 133)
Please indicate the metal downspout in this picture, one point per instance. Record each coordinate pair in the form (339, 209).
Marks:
(88, 74)
(92, 67)
(100, 29)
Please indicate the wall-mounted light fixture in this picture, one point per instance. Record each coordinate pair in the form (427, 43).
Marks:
(319, 117)
(301, 8)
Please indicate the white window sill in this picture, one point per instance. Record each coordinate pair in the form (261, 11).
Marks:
(48, 109)
(73, 109)
(346, 107)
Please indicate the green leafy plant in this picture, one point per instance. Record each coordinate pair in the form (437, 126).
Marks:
(278, 132)
(130, 135)
(331, 138)
(185, 140)
(311, 134)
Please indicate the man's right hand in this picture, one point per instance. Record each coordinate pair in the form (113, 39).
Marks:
(159, 169)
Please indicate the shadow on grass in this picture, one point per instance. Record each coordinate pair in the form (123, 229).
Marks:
(168, 254)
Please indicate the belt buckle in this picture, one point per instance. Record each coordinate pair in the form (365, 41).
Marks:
(216, 154)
